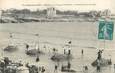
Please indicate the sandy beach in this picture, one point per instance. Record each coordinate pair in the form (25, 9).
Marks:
(56, 35)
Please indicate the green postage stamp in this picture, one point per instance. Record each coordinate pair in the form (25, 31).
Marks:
(106, 29)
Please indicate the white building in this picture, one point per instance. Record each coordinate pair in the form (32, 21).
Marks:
(51, 12)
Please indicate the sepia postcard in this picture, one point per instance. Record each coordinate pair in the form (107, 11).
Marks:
(57, 36)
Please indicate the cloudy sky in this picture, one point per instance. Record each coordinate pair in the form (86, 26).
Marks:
(72, 4)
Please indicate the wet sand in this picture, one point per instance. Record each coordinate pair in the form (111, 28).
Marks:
(56, 34)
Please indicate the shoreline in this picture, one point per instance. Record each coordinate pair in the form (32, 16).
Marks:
(49, 20)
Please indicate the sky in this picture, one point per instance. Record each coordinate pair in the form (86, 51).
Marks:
(73, 4)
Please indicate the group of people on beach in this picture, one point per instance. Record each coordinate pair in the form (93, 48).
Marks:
(34, 69)
(68, 67)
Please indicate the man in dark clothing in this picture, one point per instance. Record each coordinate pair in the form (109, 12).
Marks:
(82, 51)
(43, 69)
(27, 46)
(99, 54)
(37, 59)
(64, 51)
(69, 66)
(69, 52)
(55, 70)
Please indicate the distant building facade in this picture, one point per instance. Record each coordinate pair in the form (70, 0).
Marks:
(0, 14)
(51, 12)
